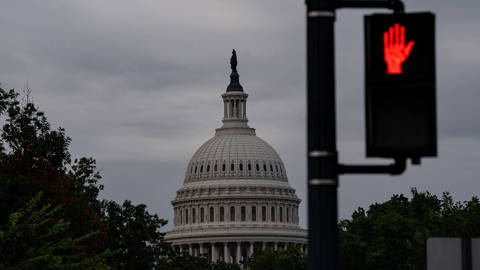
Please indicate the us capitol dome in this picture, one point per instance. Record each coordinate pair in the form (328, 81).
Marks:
(235, 197)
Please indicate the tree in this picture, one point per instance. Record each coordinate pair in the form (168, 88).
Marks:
(393, 234)
(291, 258)
(33, 239)
(183, 261)
(136, 233)
(35, 158)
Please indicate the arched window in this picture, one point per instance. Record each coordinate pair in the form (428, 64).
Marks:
(232, 213)
(186, 216)
(232, 167)
(223, 167)
(208, 167)
(240, 167)
(264, 213)
(288, 214)
(264, 167)
(216, 167)
(280, 216)
(257, 167)
(212, 214)
(222, 214)
(272, 214)
(276, 168)
(254, 213)
(271, 168)
(181, 217)
(194, 215)
(249, 166)
(202, 215)
(201, 169)
(195, 169)
(243, 213)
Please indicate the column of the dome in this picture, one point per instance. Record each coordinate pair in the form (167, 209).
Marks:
(225, 251)
(229, 255)
(296, 214)
(214, 256)
(251, 248)
(200, 248)
(190, 249)
(235, 108)
(240, 109)
(239, 252)
(244, 108)
(224, 109)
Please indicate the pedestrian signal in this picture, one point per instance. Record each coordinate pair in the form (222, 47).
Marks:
(400, 85)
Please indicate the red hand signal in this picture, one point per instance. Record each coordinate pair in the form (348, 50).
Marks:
(394, 50)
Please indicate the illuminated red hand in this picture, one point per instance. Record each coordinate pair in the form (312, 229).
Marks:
(394, 50)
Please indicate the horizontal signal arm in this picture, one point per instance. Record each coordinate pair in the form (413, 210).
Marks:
(396, 5)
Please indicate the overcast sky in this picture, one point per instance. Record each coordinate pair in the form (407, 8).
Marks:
(137, 85)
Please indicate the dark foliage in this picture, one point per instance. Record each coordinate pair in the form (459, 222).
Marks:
(182, 261)
(34, 239)
(393, 234)
(136, 233)
(291, 258)
(33, 159)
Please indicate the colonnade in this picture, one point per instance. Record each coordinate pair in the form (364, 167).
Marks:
(232, 252)
(235, 107)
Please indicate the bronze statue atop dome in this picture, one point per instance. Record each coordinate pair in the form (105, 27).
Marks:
(234, 77)
(233, 61)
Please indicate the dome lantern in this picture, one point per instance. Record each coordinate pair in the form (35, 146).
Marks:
(235, 104)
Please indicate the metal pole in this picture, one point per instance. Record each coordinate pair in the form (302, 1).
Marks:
(321, 130)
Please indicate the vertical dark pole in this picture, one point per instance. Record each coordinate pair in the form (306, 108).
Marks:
(322, 145)
(466, 254)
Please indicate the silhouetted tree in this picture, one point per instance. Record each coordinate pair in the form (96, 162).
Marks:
(291, 258)
(34, 158)
(136, 233)
(33, 239)
(392, 235)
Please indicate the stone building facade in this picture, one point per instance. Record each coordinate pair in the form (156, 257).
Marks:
(235, 197)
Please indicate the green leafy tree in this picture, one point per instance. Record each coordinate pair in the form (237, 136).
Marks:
(183, 261)
(221, 265)
(291, 258)
(136, 232)
(392, 235)
(33, 239)
(35, 158)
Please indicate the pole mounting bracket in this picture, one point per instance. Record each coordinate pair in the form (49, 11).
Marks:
(396, 168)
(396, 5)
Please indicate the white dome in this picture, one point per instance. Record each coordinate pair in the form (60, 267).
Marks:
(236, 193)
(235, 156)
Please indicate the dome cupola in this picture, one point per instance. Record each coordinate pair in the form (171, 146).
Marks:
(235, 152)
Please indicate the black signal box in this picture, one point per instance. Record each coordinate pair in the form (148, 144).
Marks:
(400, 85)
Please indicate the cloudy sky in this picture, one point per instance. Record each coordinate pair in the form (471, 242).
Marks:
(137, 85)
